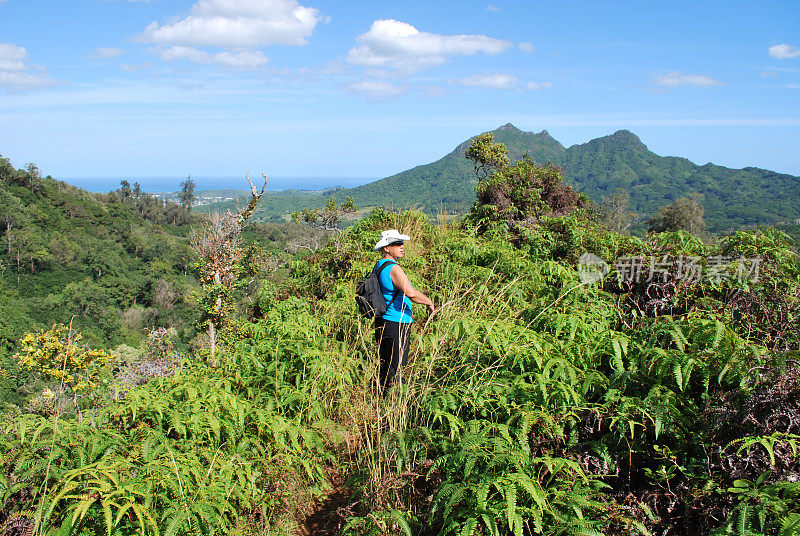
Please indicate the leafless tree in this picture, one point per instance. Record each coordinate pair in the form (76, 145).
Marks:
(218, 244)
(614, 213)
(165, 295)
(312, 243)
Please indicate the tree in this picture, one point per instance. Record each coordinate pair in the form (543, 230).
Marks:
(486, 155)
(328, 219)
(34, 176)
(85, 297)
(614, 213)
(33, 171)
(125, 190)
(522, 192)
(30, 177)
(186, 194)
(218, 246)
(27, 248)
(684, 214)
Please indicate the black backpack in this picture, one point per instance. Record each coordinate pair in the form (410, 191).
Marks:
(369, 294)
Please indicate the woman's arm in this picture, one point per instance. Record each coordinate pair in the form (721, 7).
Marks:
(401, 282)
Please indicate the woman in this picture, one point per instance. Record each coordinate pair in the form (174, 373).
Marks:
(393, 328)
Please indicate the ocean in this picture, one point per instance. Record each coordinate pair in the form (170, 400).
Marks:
(173, 184)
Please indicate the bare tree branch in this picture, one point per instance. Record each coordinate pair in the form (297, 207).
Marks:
(218, 246)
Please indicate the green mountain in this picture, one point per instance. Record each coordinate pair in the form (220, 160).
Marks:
(732, 197)
(450, 181)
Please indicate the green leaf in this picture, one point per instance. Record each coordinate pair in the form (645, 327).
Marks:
(791, 525)
(107, 516)
(511, 503)
(468, 529)
(678, 372)
(491, 525)
(481, 494)
(176, 523)
(742, 523)
(720, 329)
(517, 525)
(400, 518)
(648, 512)
(763, 477)
(619, 365)
(584, 530)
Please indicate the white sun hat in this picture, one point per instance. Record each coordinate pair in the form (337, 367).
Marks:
(387, 237)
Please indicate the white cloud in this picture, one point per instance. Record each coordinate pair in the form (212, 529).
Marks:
(378, 73)
(784, 51)
(12, 58)
(132, 68)
(534, 86)
(375, 89)
(236, 59)
(192, 86)
(435, 91)
(490, 81)
(16, 74)
(237, 24)
(399, 45)
(769, 74)
(678, 79)
(335, 67)
(492, 9)
(526, 47)
(105, 53)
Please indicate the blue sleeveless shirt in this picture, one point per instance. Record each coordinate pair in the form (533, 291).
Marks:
(400, 308)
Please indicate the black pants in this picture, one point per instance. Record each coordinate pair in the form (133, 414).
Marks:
(392, 339)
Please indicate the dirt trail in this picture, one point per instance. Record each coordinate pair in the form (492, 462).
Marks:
(328, 516)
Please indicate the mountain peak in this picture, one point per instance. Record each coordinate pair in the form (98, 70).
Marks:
(626, 136)
(509, 126)
(621, 140)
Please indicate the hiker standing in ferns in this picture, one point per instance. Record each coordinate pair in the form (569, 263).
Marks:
(392, 330)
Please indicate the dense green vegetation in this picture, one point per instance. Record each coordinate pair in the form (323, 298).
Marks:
(115, 264)
(538, 400)
(733, 198)
(112, 264)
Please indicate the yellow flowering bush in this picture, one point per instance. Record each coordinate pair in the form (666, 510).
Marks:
(58, 354)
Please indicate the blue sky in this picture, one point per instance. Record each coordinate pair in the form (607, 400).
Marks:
(368, 89)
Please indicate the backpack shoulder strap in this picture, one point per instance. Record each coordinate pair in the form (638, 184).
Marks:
(396, 292)
(384, 265)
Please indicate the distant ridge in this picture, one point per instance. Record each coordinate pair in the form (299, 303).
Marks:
(733, 198)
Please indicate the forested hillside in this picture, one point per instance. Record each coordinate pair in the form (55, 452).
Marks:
(651, 387)
(117, 267)
(114, 265)
(733, 198)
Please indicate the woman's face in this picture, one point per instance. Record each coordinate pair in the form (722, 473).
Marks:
(395, 250)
